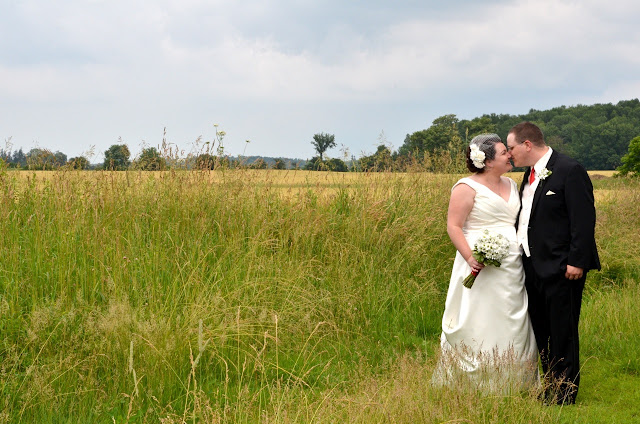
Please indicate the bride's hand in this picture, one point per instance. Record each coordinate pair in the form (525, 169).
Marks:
(474, 264)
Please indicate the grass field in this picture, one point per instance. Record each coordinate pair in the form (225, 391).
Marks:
(268, 296)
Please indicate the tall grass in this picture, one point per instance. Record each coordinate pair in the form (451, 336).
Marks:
(245, 296)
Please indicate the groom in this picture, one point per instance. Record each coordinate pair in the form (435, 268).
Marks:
(556, 233)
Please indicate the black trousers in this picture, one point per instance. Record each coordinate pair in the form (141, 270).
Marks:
(554, 308)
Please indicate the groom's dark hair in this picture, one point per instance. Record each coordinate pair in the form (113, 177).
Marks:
(528, 131)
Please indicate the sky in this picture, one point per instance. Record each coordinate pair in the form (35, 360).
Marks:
(78, 76)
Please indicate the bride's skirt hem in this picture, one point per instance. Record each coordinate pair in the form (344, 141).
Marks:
(493, 371)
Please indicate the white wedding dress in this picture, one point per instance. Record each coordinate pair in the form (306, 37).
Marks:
(487, 340)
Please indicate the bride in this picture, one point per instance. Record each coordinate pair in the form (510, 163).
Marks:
(487, 340)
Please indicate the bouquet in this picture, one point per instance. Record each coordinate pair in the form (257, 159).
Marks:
(489, 249)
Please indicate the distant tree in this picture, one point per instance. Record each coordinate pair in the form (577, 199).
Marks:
(437, 136)
(408, 147)
(381, 160)
(150, 160)
(117, 157)
(595, 135)
(336, 165)
(481, 125)
(61, 159)
(205, 161)
(631, 161)
(19, 159)
(225, 162)
(79, 163)
(259, 164)
(41, 159)
(279, 164)
(333, 164)
(315, 164)
(321, 142)
(557, 143)
(5, 156)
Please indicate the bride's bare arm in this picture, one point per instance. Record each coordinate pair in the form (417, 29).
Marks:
(460, 205)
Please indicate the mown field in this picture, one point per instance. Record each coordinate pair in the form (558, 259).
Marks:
(268, 296)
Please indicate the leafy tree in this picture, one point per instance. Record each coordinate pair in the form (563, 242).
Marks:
(336, 165)
(437, 136)
(79, 163)
(406, 148)
(595, 135)
(381, 160)
(631, 161)
(5, 156)
(557, 143)
(117, 157)
(61, 158)
(321, 142)
(19, 159)
(279, 164)
(205, 161)
(151, 160)
(315, 164)
(441, 132)
(225, 162)
(259, 164)
(40, 159)
(481, 125)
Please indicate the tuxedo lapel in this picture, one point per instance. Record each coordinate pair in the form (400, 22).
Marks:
(541, 183)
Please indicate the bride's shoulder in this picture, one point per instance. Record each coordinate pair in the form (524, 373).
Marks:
(509, 181)
(464, 180)
(465, 183)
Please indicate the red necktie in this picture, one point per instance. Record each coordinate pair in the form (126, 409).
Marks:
(532, 176)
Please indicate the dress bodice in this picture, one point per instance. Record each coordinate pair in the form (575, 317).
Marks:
(490, 211)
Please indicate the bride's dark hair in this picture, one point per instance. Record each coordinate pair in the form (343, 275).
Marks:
(487, 145)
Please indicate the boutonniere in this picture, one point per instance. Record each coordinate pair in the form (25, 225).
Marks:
(544, 173)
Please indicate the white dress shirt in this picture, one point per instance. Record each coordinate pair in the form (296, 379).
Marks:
(527, 202)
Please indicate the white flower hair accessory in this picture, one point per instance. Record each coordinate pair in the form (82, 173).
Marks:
(477, 156)
(543, 174)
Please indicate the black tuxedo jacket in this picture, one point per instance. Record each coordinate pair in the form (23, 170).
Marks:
(563, 217)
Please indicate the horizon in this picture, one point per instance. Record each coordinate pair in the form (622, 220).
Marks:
(82, 76)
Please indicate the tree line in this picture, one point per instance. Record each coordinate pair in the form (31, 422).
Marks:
(118, 158)
(599, 136)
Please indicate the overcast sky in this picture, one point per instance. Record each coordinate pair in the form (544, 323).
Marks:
(77, 75)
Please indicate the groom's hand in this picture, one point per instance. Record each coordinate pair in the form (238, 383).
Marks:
(573, 273)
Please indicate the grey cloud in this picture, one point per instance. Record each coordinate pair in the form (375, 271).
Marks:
(276, 72)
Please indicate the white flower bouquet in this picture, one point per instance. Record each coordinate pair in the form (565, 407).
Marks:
(489, 249)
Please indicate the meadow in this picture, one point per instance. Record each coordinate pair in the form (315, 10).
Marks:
(238, 296)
